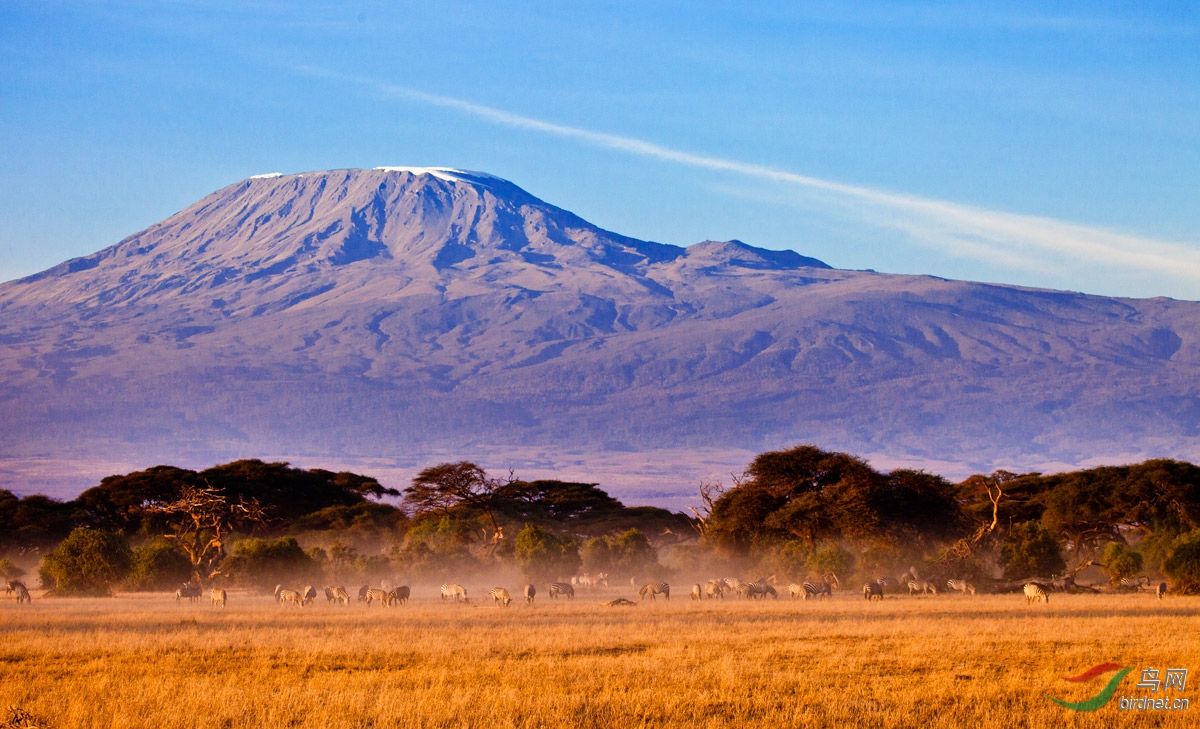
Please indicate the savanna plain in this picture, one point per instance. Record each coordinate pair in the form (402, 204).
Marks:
(929, 661)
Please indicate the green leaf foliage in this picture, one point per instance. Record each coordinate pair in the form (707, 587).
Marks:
(87, 562)
(1030, 550)
(542, 555)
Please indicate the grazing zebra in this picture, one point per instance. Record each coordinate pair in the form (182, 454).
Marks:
(399, 595)
(458, 592)
(18, 587)
(795, 590)
(284, 596)
(188, 590)
(340, 595)
(309, 595)
(922, 586)
(715, 589)
(218, 597)
(561, 588)
(696, 593)
(330, 595)
(759, 590)
(500, 596)
(811, 589)
(885, 582)
(739, 588)
(530, 593)
(1035, 592)
(1161, 590)
(962, 586)
(362, 593)
(374, 593)
(655, 588)
(872, 591)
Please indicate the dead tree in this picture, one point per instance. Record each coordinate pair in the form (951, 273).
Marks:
(200, 519)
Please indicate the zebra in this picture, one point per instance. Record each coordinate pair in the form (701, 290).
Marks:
(309, 595)
(1134, 585)
(885, 582)
(22, 592)
(500, 596)
(188, 590)
(696, 593)
(872, 591)
(458, 592)
(715, 589)
(399, 595)
(739, 588)
(1161, 590)
(759, 590)
(795, 590)
(374, 593)
(218, 597)
(362, 593)
(530, 593)
(1035, 592)
(812, 589)
(655, 588)
(284, 596)
(561, 588)
(339, 595)
(921, 586)
(329, 595)
(962, 586)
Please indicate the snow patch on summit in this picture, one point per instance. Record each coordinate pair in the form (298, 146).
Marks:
(267, 176)
(448, 174)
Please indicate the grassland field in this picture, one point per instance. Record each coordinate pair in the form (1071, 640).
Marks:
(929, 661)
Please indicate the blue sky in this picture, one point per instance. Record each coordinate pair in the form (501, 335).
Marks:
(1044, 144)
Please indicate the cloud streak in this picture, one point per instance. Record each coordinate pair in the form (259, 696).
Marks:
(1010, 239)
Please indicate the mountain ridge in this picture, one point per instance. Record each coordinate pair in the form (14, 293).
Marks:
(355, 313)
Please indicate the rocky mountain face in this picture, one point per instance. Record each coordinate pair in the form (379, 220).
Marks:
(400, 316)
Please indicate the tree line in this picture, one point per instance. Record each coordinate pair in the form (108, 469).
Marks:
(794, 512)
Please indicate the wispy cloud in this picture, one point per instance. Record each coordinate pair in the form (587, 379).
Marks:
(1010, 239)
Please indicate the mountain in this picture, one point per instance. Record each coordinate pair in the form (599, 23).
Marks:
(390, 318)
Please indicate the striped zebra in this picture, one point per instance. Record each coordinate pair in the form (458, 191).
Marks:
(530, 593)
(284, 596)
(189, 591)
(398, 595)
(218, 597)
(872, 591)
(309, 595)
(715, 589)
(1035, 592)
(962, 586)
(738, 587)
(375, 593)
(920, 587)
(655, 588)
(561, 588)
(796, 590)
(340, 595)
(1161, 590)
(22, 592)
(457, 592)
(362, 593)
(885, 582)
(500, 596)
(1134, 584)
(696, 593)
(813, 590)
(759, 590)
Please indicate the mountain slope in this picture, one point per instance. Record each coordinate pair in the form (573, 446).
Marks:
(406, 314)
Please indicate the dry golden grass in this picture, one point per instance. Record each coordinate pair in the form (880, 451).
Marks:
(945, 661)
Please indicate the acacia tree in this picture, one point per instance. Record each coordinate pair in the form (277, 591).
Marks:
(199, 522)
(452, 488)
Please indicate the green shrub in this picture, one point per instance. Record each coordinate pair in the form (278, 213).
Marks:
(87, 562)
(1118, 561)
(158, 565)
(1030, 550)
(543, 556)
(262, 563)
(1183, 564)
